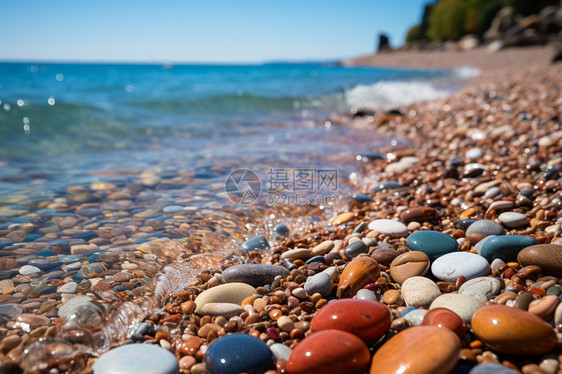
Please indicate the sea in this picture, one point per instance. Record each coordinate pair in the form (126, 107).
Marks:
(122, 156)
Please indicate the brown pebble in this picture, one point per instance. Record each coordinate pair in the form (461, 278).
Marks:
(188, 307)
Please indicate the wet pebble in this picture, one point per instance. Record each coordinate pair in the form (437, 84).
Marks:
(513, 331)
(513, 220)
(319, 283)
(485, 227)
(505, 247)
(369, 320)
(443, 317)
(389, 227)
(464, 306)
(253, 274)
(236, 353)
(256, 243)
(137, 359)
(547, 256)
(232, 293)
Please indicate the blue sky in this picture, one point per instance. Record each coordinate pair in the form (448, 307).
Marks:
(218, 31)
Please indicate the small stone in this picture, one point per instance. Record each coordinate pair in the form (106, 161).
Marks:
(28, 269)
(71, 305)
(342, 218)
(513, 220)
(354, 249)
(453, 265)
(319, 283)
(481, 288)
(474, 154)
(257, 243)
(281, 231)
(364, 294)
(323, 248)
(226, 310)
(297, 253)
(82, 248)
(491, 368)
(486, 228)
(236, 353)
(443, 317)
(253, 274)
(233, 293)
(409, 264)
(280, 351)
(389, 227)
(135, 359)
(357, 273)
(419, 291)
(464, 306)
(69, 287)
(415, 317)
(30, 322)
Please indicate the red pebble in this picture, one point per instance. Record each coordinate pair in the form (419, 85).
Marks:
(443, 317)
(367, 319)
(329, 352)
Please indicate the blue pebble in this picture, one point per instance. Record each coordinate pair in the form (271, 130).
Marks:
(362, 198)
(46, 253)
(5, 243)
(31, 237)
(407, 310)
(259, 242)
(433, 243)
(505, 247)
(236, 353)
(86, 235)
(510, 289)
(77, 277)
(491, 368)
(93, 258)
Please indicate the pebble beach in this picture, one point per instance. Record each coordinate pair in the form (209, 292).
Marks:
(446, 258)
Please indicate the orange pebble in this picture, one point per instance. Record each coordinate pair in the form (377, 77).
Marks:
(476, 344)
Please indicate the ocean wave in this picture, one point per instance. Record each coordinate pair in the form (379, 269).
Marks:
(466, 72)
(384, 95)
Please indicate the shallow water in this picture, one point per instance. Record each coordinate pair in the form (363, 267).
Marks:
(138, 157)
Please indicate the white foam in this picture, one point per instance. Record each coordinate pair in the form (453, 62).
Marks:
(383, 94)
(467, 72)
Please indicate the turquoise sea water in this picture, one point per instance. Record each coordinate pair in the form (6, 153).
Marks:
(59, 123)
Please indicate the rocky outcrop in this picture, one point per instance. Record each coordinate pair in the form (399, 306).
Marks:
(384, 43)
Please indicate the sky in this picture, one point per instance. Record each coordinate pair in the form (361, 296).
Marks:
(212, 31)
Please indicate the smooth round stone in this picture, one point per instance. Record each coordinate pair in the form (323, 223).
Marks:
(418, 214)
(419, 291)
(420, 350)
(478, 246)
(386, 186)
(329, 352)
(547, 256)
(485, 227)
(442, 317)
(71, 305)
(369, 320)
(29, 269)
(364, 294)
(362, 198)
(226, 310)
(253, 274)
(233, 293)
(355, 248)
(481, 288)
(173, 209)
(281, 231)
(357, 273)
(513, 331)
(513, 220)
(236, 353)
(323, 248)
(433, 243)
(464, 306)
(415, 317)
(505, 247)
(69, 287)
(257, 243)
(491, 368)
(137, 359)
(474, 154)
(319, 283)
(453, 265)
(280, 351)
(409, 264)
(384, 256)
(492, 192)
(297, 253)
(389, 227)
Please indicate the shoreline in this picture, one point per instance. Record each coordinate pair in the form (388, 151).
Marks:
(491, 148)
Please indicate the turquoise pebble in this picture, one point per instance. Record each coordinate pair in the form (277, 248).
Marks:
(432, 243)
